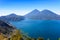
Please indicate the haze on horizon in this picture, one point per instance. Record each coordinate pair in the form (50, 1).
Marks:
(22, 7)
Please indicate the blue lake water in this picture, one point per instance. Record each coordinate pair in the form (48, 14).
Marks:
(39, 28)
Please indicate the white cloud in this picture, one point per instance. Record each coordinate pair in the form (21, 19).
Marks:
(21, 12)
(18, 12)
(56, 11)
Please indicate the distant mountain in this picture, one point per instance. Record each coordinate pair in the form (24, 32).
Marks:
(33, 15)
(43, 15)
(6, 28)
(12, 17)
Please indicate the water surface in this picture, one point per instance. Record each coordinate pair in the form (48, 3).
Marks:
(40, 28)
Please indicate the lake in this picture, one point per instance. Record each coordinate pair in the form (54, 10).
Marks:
(39, 28)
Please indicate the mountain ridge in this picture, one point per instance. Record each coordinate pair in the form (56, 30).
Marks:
(6, 28)
(42, 15)
(35, 14)
(12, 17)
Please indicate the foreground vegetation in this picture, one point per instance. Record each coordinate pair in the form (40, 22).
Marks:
(16, 35)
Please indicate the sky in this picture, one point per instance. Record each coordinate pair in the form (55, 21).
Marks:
(22, 7)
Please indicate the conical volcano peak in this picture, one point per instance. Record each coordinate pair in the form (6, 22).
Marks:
(46, 10)
(36, 10)
(33, 14)
(42, 15)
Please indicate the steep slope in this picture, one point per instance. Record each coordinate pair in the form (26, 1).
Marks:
(49, 15)
(43, 15)
(12, 17)
(6, 28)
(33, 15)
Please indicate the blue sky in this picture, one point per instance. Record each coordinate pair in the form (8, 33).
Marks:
(22, 7)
